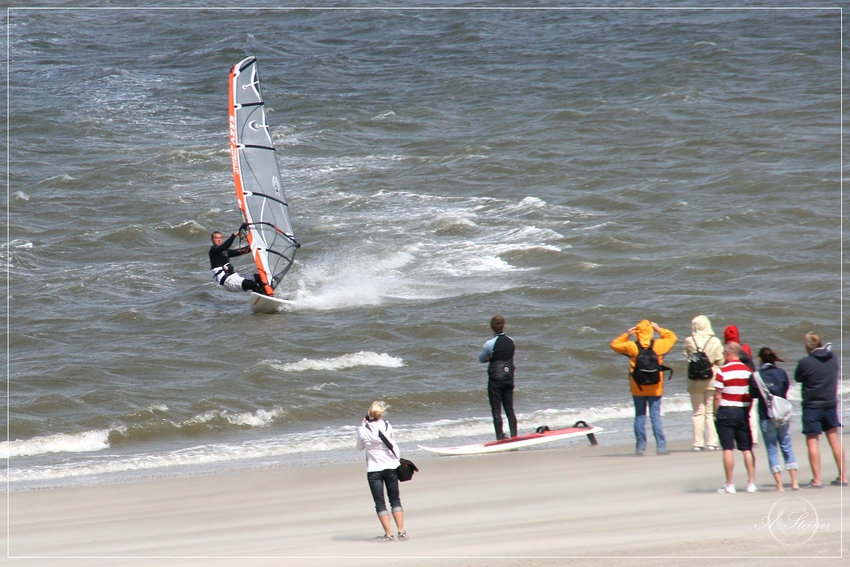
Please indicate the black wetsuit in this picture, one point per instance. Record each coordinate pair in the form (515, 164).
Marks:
(221, 255)
(220, 259)
(500, 385)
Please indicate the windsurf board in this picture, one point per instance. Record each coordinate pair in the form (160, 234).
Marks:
(519, 441)
(267, 304)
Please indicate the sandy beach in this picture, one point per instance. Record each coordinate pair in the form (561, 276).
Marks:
(572, 505)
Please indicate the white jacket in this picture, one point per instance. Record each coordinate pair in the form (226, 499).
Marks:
(378, 455)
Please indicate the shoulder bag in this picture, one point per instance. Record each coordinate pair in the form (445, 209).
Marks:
(779, 410)
(406, 469)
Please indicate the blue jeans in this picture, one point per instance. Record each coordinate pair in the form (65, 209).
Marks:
(377, 479)
(776, 438)
(640, 422)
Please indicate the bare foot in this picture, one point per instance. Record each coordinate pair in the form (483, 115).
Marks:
(779, 488)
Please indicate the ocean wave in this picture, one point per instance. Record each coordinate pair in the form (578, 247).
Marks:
(361, 358)
(315, 441)
(60, 443)
(148, 430)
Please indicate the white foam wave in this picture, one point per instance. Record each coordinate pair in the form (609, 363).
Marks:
(18, 243)
(471, 429)
(260, 418)
(361, 358)
(60, 443)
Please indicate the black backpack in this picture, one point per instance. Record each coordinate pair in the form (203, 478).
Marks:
(647, 369)
(699, 366)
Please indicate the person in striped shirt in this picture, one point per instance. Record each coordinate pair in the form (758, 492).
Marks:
(732, 416)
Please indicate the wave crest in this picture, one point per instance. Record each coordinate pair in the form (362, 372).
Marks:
(361, 358)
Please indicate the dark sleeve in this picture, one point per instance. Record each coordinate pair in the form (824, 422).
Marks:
(224, 246)
(238, 251)
(755, 393)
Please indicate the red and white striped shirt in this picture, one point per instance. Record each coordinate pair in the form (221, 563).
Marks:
(733, 383)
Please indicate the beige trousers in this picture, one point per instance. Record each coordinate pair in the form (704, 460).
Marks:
(703, 416)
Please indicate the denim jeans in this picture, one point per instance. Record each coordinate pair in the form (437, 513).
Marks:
(377, 479)
(654, 403)
(776, 438)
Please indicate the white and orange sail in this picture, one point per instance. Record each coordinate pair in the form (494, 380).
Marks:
(257, 177)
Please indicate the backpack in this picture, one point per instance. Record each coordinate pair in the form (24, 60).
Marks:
(647, 369)
(699, 366)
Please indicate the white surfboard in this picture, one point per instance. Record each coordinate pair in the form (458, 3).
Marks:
(266, 304)
(518, 442)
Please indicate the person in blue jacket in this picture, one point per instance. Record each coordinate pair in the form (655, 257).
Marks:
(498, 352)
(776, 437)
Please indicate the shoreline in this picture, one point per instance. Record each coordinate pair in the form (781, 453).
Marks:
(558, 506)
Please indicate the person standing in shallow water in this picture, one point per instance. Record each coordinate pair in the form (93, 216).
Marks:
(498, 352)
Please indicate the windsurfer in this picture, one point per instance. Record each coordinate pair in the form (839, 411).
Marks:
(499, 353)
(222, 269)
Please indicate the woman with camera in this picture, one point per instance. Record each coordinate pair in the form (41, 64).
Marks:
(375, 436)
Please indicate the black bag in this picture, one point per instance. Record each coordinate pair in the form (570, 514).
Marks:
(647, 369)
(406, 469)
(699, 366)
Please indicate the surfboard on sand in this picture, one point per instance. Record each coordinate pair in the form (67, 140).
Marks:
(537, 438)
(266, 304)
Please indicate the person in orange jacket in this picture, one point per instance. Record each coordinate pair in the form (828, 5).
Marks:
(647, 394)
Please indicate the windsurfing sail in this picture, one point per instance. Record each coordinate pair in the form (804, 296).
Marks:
(257, 178)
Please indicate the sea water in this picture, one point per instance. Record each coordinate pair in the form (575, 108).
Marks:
(573, 170)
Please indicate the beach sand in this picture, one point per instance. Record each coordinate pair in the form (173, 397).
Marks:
(569, 505)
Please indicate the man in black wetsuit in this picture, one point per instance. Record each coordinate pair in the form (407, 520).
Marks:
(499, 353)
(223, 272)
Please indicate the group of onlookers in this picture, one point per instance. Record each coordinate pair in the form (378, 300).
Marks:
(724, 380)
(724, 415)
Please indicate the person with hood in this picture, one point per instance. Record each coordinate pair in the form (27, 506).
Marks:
(375, 436)
(702, 391)
(731, 335)
(776, 437)
(818, 374)
(647, 394)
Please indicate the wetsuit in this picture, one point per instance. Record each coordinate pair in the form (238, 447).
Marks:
(223, 272)
(499, 352)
